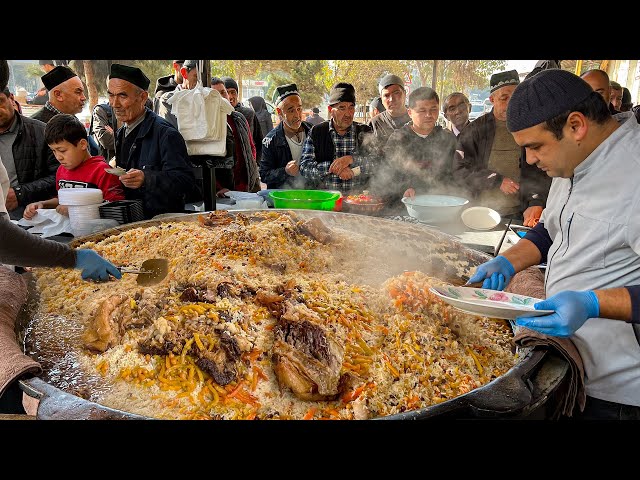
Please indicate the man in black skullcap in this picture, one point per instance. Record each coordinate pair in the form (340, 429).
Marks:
(66, 93)
(489, 164)
(254, 125)
(337, 154)
(589, 234)
(282, 146)
(151, 149)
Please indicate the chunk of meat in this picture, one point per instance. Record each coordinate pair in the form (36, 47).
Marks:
(307, 359)
(215, 218)
(221, 363)
(103, 331)
(317, 230)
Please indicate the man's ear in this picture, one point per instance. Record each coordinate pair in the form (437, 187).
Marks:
(578, 126)
(84, 144)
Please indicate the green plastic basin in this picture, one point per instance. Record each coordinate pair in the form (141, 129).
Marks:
(310, 199)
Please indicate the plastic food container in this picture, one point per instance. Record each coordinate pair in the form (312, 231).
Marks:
(309, 199)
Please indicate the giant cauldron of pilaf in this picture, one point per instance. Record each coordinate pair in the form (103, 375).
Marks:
(268, 315)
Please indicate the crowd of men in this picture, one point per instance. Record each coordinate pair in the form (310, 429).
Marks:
(401, 151)
(557, 149)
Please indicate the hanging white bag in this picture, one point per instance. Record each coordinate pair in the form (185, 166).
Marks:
(201, 114)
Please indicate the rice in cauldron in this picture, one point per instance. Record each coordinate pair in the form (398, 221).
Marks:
(261, 317)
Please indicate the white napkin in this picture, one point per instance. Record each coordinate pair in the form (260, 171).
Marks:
(48, 222)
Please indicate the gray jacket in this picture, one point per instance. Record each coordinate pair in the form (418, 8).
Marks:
(596, 244)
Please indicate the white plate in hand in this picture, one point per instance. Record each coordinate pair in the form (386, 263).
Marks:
(489, 303)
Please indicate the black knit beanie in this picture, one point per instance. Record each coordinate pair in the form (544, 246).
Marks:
(543, 97)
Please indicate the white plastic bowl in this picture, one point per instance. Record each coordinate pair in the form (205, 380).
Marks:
(435, 209)
(79, 196)
(480, 218)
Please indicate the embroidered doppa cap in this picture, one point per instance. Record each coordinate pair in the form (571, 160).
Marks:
(342, 92)
(230, 83)
(56, 76)
(390, 80)
(502, 79)
(130, 74)
(283, 91)
(544, 96)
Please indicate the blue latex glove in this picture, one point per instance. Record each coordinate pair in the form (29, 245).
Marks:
(496, 273)
(572, 309)
(95, 267)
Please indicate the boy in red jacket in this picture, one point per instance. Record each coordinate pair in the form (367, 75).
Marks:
(67, 137)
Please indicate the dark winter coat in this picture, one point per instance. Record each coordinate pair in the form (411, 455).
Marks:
(476, 141)
(160, 151)
(424, 164)
(275, 156)
(36, 165)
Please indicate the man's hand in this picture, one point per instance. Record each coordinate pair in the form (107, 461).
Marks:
(346, 174)
(572, 309)
(32, 209)
(221, 193)
(532, 216)
(63, 210)
(12, 201)
(94, 267)
(340, 164)
(292, 168)
(134, 178)
(494, 274)
(508, 186)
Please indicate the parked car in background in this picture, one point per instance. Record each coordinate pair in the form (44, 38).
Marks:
(477, 109)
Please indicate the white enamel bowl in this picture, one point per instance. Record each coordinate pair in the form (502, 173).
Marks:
(435, 209)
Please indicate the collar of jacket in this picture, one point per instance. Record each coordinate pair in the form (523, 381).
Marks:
(280, 136)
(145, 126)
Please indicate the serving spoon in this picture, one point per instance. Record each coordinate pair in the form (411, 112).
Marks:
(151, 272)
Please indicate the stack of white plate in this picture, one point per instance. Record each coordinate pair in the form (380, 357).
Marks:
(83, 205)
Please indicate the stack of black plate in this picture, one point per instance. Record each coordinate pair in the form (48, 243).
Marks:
(124, 211)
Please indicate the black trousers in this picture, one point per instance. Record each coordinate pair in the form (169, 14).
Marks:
(596, 409)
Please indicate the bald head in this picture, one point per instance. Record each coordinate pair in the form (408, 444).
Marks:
(68, 97)
(599, 82)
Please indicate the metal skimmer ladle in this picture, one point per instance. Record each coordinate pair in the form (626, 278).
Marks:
(151, 271)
